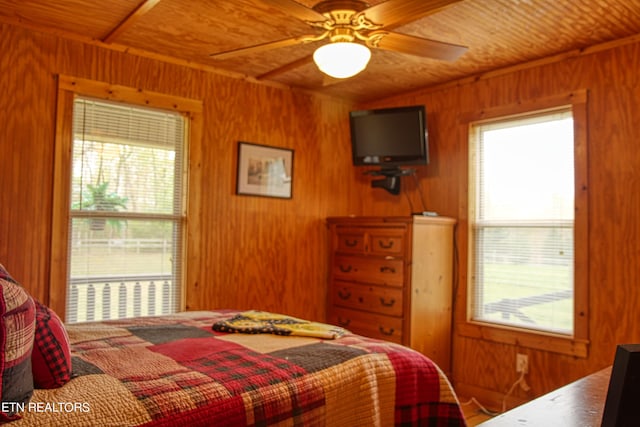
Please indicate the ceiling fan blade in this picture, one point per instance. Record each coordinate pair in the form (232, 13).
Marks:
(285, 68)
(297, 10)
(419, 46)
(394, 13)
(262, 47)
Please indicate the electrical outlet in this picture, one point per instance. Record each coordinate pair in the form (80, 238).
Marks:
(522, 363)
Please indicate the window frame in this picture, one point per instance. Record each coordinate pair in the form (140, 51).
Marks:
(68, 89)
(578, 343)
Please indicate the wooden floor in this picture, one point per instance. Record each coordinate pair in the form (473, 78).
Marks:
(472, 413)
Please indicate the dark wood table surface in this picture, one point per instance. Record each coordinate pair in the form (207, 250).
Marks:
(579, 404)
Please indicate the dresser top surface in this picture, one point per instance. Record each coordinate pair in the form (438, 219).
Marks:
(369, 220)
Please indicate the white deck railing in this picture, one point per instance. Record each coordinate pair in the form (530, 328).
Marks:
(115, 297)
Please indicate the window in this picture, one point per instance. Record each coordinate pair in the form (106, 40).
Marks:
(524, 239)
(126, 213)
(120, 202)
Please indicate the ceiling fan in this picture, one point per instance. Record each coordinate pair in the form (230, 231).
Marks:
(352, 27)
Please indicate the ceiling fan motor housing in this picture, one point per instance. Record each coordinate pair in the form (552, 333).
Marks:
(328, 6)
(344, 21)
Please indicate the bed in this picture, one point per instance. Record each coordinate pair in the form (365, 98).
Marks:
(176, 370)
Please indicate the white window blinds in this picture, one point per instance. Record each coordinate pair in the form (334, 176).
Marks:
(523, 222)
(126, 212)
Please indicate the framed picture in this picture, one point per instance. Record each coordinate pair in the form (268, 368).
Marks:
(264, 171)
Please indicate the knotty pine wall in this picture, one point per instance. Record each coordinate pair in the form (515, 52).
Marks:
(486, 369)
(255, 252)
(269, 253)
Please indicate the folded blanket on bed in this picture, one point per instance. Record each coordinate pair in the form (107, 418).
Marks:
(262, 322)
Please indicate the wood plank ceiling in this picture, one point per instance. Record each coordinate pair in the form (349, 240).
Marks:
(498, 33)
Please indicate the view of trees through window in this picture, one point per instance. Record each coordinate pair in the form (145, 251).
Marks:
(126, 211)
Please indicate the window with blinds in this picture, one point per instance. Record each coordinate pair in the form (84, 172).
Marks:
(522, 222)
(126, 211)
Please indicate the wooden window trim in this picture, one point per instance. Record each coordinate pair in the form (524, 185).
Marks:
(578, 344)
(68, 89)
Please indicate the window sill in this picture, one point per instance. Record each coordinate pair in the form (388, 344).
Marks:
(562, 344)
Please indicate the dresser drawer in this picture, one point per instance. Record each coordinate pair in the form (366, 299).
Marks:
(375, 241)
(387, 242)
(375, 299)
(369, 269)
(351, 241)
(371, 325)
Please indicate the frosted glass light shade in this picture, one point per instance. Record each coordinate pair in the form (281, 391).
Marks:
(342, 59)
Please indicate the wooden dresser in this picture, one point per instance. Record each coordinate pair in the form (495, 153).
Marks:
(391, 278)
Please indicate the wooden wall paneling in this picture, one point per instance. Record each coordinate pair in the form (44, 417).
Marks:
(485, 369)
(251, 252)
(615, 229)
(247, 243)
(265, 248)
(438, 182)
(258, 239)
(26, 152)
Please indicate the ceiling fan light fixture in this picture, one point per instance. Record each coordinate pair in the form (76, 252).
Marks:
(342, 59)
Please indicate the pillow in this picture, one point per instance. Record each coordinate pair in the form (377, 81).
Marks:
(17, 331)
(51, 357)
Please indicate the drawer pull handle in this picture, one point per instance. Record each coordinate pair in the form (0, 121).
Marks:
(387, 332)
(351, 243)
(343, 323)
(385, 245)
(346, 269)
(386, 269)
(387, 303)
(344, 295)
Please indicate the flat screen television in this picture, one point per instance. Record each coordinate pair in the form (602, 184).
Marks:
(390, 137)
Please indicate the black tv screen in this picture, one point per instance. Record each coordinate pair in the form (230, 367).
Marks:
(389, 137)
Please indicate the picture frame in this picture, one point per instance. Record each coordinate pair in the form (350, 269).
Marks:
(264, 171)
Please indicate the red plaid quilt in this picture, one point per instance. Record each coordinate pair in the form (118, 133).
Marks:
(177, 371)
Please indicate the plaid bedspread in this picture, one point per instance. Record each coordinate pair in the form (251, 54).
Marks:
(177, 371)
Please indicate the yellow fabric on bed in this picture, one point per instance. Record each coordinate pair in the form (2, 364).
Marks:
(263, 322)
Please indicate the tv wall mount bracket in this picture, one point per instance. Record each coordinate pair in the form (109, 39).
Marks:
(391, 180)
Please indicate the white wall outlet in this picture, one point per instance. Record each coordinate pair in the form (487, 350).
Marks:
(522, 363)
